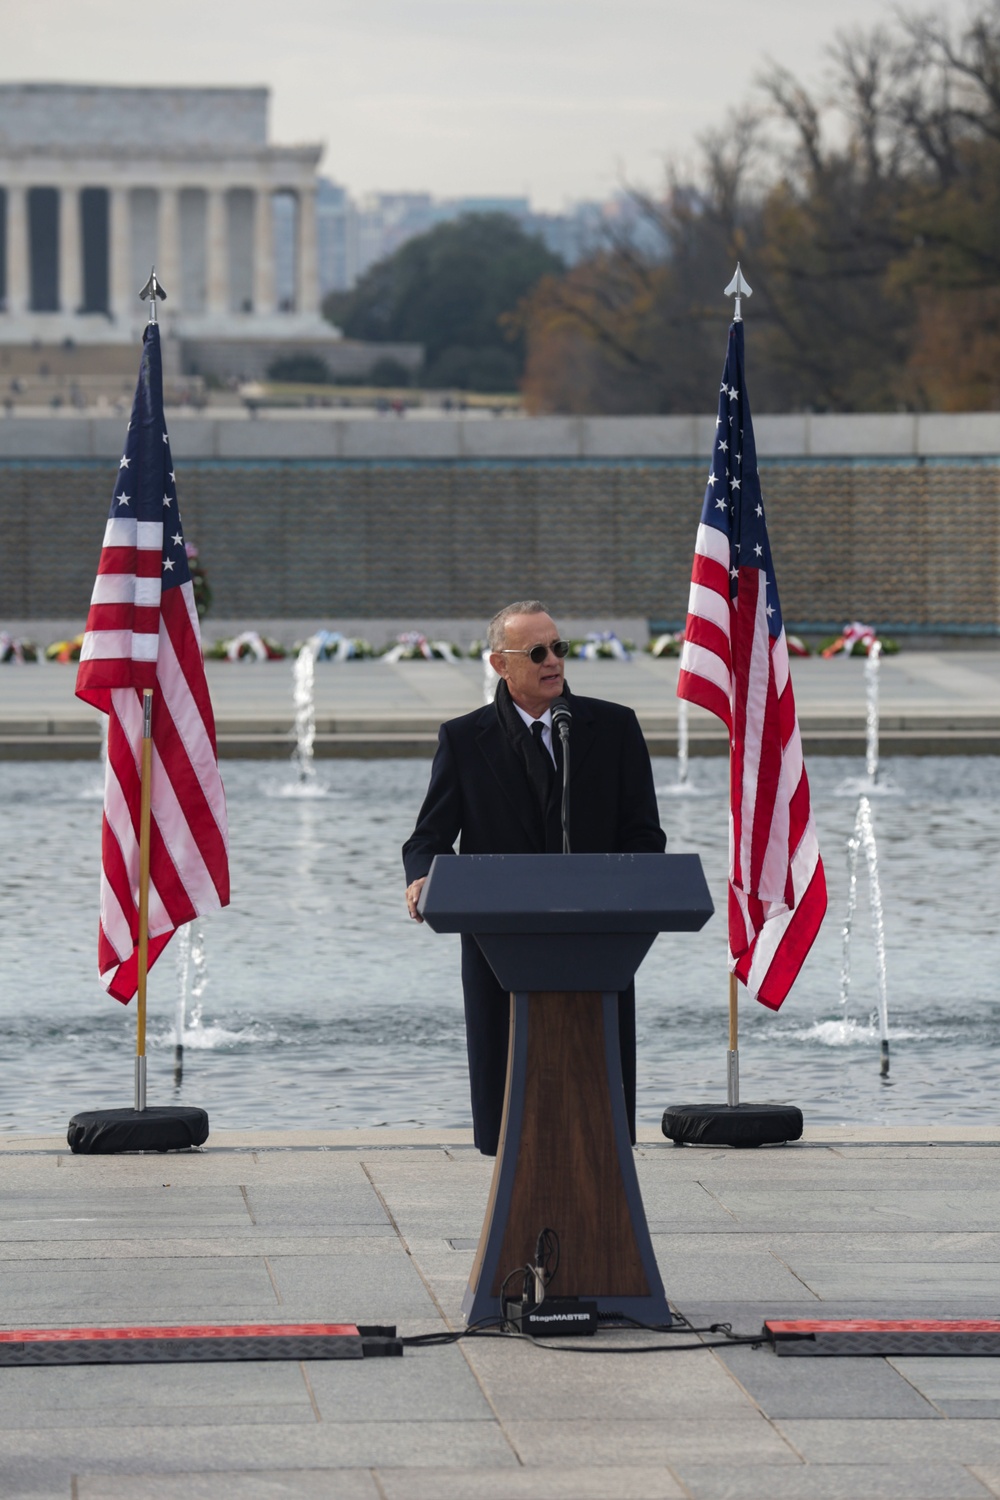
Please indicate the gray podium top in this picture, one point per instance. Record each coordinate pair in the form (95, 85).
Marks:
(565, 921)
(566, 893)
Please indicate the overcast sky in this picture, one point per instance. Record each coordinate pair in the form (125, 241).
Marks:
(558, 99)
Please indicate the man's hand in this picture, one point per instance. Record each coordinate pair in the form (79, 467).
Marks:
(413, 896)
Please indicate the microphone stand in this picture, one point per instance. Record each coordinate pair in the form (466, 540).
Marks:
(562, 721)
(564, 810)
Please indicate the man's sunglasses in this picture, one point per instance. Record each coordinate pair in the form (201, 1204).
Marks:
(537, 654)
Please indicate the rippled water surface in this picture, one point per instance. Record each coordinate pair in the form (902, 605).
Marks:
(323, 1006)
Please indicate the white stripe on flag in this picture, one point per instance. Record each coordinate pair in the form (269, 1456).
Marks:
(120, 531)
(180, 841)
(705, 663)
(149, 536)
(115, 645)
(106, 645)
(707, 604)
(779, 662)
(125, 588)
(769, 939)
(144, 647)
(712, 543)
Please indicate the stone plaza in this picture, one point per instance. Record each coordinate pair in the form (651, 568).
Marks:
(380, 1227)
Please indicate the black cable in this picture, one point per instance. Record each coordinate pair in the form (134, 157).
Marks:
(485, 1328)
(679, 1325)
(541, 1275)
(754, 1343)
(497, 1328)
(732, 1342)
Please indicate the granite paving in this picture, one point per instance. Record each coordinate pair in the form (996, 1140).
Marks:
(381, 1226)
(932, 702)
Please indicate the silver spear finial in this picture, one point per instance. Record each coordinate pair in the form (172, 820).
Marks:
(152, 290)
(738, 287)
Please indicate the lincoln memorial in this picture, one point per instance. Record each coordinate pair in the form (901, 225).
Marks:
(99, 183)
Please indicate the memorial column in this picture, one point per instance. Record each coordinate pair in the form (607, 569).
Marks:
(217, 252)
(17, 249)
(122, 294)
(168, 247)
(70, 251)
(263, 252)
(307, 278)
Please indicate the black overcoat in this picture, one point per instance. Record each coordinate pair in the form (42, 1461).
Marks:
(479, 793)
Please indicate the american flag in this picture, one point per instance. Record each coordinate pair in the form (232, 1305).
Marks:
(734, 662)
(142, 631)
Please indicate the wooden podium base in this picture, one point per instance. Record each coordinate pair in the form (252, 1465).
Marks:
(565, 1162)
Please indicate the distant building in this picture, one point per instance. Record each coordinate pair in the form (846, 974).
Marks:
(356, 234)
(337, 238)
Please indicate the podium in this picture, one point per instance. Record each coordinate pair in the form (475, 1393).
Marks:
(564, 933)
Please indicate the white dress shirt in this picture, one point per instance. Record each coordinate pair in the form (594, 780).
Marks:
(546, 723)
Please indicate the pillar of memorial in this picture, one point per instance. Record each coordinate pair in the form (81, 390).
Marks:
(123, 296)
(216, 252)
(168, 247)
(263, 252)
(307, 277)
(17, 249)
(70, 251)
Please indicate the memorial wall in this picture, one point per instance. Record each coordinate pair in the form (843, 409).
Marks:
(337, 518)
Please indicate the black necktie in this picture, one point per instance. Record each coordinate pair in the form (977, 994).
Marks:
(537, 730)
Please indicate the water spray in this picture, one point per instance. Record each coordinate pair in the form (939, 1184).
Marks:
(682, 741)
(863, 838)
(304, 677)
(183, 955)
(872, 710)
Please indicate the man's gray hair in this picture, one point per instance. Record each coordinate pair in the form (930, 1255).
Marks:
(496, 631)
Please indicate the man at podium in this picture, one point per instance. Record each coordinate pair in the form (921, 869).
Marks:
(496, 783)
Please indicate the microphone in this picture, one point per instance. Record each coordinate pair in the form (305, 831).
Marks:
(562, 717)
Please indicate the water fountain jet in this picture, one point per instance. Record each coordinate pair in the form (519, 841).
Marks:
(863, 838)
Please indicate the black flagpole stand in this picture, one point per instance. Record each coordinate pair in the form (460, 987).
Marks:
(105, 1132)
(732, 1123)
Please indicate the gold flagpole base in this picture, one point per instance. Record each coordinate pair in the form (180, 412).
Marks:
(140, 1083)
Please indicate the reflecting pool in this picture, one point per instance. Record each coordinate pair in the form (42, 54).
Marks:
(318, 1004)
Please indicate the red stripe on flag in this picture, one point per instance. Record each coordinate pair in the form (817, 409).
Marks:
(768, 778)
(797, 939)
(711, 574)
(699, 690)
(702, 632)
(187, 649)
(117, 560)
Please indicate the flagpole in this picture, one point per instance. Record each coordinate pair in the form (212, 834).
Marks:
(147, 771)
(713, 673)
(733, 1055)
(190, 780)
(739, 288)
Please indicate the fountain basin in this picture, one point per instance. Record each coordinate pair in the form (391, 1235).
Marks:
(326, 1007)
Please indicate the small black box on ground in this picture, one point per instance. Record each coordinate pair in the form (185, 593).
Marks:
(560, 1315)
